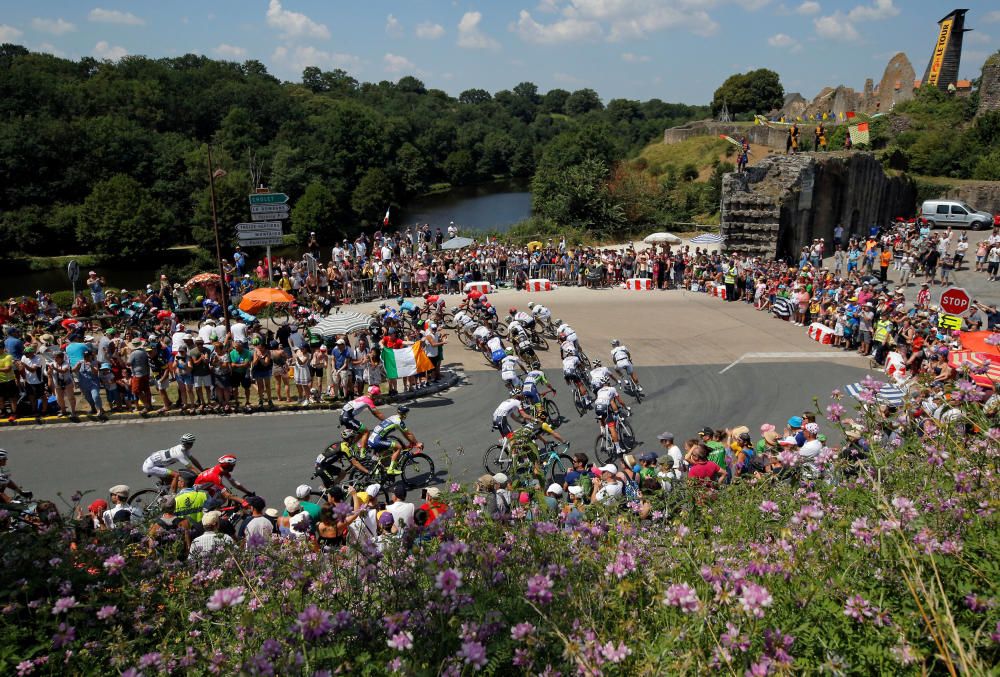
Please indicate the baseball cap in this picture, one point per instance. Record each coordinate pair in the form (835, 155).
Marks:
(211, 518)
(119, 489)
(500, 478)
(812, 428)
(648, 456)
(610, 467)
(788, 442)
(795, 422)
(665, 435)
(433, 492)
(706, 432)
(302, 491)
(554, 489)
(576, 491)
(373, 489)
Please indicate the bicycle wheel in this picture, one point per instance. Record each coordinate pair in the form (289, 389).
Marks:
(418, 471)
(604, 449)
(578, 403)
(539, 342)
(501, 330)
(448, 319)
(144, 500)
(626, 436)
(558, 467)
(496, 459)
(585, 361)
(552, 411)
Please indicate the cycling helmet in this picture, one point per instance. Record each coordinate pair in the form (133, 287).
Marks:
(374, 390)
(228, 459)
(570, 351)
(512, 311)
(531, 304)
(509, 350)
(3, 454)
(347, 434)
(615, 343)
(400, 300)
(597, 363)
(402, 410)
(557, 321)
(187, 439)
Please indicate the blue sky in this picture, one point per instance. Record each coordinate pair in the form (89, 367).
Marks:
(676, 50)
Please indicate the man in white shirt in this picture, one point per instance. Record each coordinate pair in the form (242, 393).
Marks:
(259, 529)
(676, 469)
(810, 450)
(206, 331)
(607, 488)
(239, 331)
(120, 513)
(402, 512)
(211, 540)
(178, 338)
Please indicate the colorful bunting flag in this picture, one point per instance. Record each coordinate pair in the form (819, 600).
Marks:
(859, 134)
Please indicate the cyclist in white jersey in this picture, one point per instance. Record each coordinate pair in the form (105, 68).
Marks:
(481, 335)
(511, 408)
(571, 372)
(523, 318)
(509, 365)
(157, 464)
(623, 361)
(540, 312)
(496, 348)
(608, 400)
(598, 375)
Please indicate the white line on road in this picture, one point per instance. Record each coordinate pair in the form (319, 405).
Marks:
(787, 356)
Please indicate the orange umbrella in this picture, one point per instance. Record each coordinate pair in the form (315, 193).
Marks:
(256, 300)
(977, 341)
(990, 366)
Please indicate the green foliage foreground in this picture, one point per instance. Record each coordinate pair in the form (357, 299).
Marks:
(888, 567)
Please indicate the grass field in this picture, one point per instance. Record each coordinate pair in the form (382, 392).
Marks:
(700, 151)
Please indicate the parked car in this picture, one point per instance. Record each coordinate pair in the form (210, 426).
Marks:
(945, 213)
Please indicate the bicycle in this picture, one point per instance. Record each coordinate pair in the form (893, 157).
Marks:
(629, 387)
(604, 446)
(538, 341)
(579, 403)
(558, 462)
(147, 501)
(416, 471)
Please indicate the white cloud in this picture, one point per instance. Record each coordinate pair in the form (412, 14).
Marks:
(469, 35)
(428, 30)
(782, 40)
(297, 58)
(992, 17)
(393, 63)
(548, 6)
(836, 27)
(102, 50)
(808, 8)
(230, 51)
(566, 79)
(565, 30)
(753, 5)
(54, 26)
(393, 28)
(49, 48)
(632, 19)
(113, 16)
(294, 24)
(881, 9)
(629, 57)
(9, 33)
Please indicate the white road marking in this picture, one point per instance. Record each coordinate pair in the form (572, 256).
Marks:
(788, 356)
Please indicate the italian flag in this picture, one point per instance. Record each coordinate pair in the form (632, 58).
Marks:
(405, 361)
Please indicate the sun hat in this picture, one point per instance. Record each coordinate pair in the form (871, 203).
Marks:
(767, 427)
(771, 438)
(665, 435)
(292, 504)
(554, 489)
(373, 489)
(433, 492)
(119, 489)
(271, 512)
(501, 478)
(211, 518)
(302, 491)
(576, 491)
(362, 496)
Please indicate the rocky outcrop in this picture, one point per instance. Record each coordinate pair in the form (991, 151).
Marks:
(896, 85)
(785, 201)
(989, 86)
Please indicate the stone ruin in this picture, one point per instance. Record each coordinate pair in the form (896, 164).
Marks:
(989, 86)
(785, 201)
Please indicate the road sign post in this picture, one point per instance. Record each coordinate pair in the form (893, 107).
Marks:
(268, 198)
(73, 271)
(955, 301)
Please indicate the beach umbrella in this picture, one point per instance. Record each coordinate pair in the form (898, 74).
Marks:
(458, 243)
(662, 238)
(534, 244)
(883, 392)
(342, 323)
(707, 238)
(982, 342)
(256, 300)
(203, 279)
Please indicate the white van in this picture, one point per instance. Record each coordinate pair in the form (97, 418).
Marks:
(944, 213)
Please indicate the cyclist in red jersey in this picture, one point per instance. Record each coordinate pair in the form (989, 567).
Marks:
(211, 479)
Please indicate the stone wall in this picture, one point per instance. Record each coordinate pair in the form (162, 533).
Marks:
(756, 134)
(989, 86)
(983, 195)
(785, 201)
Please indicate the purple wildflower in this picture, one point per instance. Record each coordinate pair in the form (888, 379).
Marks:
(623, 565)
(521, 630)
(540, 589)
(755, 598)
(768, 507)
(63, 604)
(313, 622)
(683, 596)
(151, 660)
(834, 411)
(448, 581)
(114, 564)
(616, 654)
(65, 635)
(225, 597)
(473, 653)
(106, 612)
(401, 641)
(907, 511)
(858, 608)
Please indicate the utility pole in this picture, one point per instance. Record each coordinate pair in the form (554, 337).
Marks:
(212, 174)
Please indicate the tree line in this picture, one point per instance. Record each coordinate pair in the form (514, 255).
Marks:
(110, 158)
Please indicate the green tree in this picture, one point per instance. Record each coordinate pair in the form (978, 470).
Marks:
(460, 167)
(316, 211)
(373, 194)
(412, 169)
(582, 101)
(474, 97)
(120, 219)
(757, 91)
(231, 206)
(554, 101)
(577, 196)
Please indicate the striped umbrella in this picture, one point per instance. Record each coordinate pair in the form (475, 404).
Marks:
(884, 393)
(706, 238)
(782, 307)
(342, 323)
(977, 362)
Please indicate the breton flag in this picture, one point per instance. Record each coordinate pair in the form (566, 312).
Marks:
(406, 361)
(859, 134)
(385, 221)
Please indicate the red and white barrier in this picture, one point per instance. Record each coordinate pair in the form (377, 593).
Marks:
(719, 291)
(481, 287)
(820, 333)
(637, 283)
(538, 284)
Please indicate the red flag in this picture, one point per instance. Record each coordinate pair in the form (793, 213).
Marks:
(862, 126)
(385, 221)
(850, 115)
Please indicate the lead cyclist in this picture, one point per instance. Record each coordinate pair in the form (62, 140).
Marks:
(622, 359)
(156, 464)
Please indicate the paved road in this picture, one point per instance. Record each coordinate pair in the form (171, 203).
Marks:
(277, 451)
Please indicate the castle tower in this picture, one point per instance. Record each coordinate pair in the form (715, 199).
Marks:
(942, 69)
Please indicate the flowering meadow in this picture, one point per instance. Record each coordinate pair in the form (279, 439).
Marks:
(888, 565)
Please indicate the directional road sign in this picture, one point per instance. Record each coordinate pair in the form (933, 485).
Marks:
(268, 217)
(275, 209)
(73, 270)
(268, 198)
(263, 228)
(955, 301)
(260, 241)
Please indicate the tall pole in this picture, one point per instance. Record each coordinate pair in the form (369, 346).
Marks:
(218, 246)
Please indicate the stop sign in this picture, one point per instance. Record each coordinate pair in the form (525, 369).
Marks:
(955, 301)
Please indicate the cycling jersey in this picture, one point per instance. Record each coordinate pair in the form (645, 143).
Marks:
(407, 306)
(434, 300)
(567, 346)
(495, 346)
(213, 478)
(156, 464)
(571, 364)
(534, 378)
(515, 326)
(385, 428)
(506, 408)
(621, 356)
(482, 333)
(358, 406)
(463, 319)
(508, 367)
(604, 397)
(524, 318)
(598, 374)
(567, 333)
(541, 312)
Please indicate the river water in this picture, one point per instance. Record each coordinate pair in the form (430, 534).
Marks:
(493, 206)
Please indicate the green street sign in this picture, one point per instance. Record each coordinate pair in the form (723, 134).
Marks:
(268, 198)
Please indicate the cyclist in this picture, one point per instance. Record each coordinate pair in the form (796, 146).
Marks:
(481, 335)
(434, 305)
(540, 312)
(623, 361)
(465, 321)
(350, 411)
(7, 483)
(566, 332)
(532, 380)
(348, 448)
(511, 408)
(571, 372)
(156, 465)
(381, 441)
(599, 375)
(608, 403)
(509, 365)
(525, 439)
(523, 318)
(496, 348)
(514, 327)
(409, 308)
(212, 479)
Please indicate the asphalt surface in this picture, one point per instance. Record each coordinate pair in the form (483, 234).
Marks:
(276, 451)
